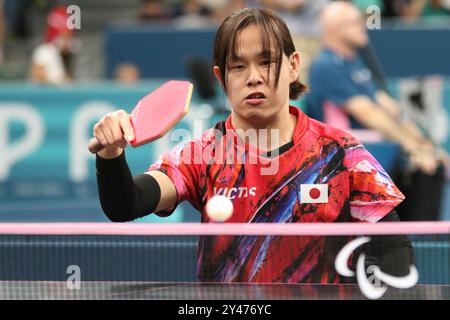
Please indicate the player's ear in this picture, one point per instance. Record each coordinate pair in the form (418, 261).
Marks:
(294, 66)
(218, 75)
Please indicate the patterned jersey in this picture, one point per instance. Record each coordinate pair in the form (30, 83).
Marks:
(326, 176)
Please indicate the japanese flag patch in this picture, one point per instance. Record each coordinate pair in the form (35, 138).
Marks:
(314, 193)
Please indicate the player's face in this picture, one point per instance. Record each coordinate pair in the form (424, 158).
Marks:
(251, 79)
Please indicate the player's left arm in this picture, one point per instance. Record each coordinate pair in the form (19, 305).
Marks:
(394, 253)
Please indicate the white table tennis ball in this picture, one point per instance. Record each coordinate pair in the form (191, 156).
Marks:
(219, 208)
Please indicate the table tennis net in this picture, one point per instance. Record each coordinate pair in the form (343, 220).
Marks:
(177, 261)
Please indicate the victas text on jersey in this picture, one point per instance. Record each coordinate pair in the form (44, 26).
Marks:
(231, 193)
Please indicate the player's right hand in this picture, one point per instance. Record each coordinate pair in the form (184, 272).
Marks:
(114, 131)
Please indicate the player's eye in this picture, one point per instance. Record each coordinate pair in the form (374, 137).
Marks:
(266, 63)
(237, 67)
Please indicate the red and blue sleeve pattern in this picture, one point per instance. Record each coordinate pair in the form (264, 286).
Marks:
(180, 166)
(372, 192)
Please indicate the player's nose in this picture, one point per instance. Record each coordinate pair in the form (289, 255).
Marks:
(254, 77)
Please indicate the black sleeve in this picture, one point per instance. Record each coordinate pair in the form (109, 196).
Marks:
(122, 197)
(393, 253)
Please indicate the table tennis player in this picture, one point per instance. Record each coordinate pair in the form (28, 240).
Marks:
(322, 174)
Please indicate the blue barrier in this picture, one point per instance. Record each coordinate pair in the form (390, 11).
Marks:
(113, 258)
(158, 53)
(412, 51)
(164, 52)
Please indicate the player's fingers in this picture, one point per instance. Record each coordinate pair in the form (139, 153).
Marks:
(125, 124)
(111, 128)
(105, 126)
(108, 135)
(122, 143)
(116, 131)
(98, 134)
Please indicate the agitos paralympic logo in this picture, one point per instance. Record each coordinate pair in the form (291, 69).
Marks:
(371, 291)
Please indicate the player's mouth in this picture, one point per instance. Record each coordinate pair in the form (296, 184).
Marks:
(255, 98)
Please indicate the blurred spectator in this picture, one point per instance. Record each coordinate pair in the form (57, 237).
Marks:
(193, 15)
(344, 94)
(393, 8)
(214, 4)
(422, 101)
(410, 10)
(16, 13)
(127, 74)
(224, 9)
(302, 19)
(51, 62)
(2, 30)
(417, 9)
(154, 11)
(201, 75)
(363, 5)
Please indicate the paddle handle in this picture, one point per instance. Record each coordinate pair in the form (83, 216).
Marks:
(95, 146)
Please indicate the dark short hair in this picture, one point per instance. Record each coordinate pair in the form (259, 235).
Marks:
(271, 26)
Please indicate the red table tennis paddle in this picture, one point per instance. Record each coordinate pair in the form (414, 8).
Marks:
(156, 113)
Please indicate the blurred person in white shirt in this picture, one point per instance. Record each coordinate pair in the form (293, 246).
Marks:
(51, 60)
